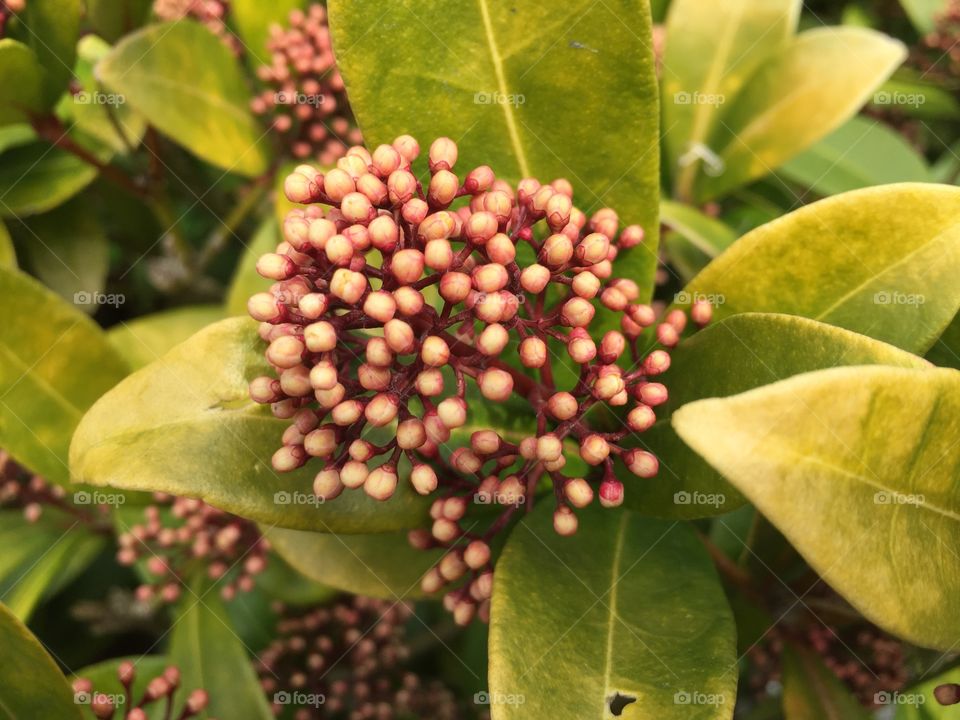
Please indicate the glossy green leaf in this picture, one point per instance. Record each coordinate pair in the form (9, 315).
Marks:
(185, 425)
(913, 95)
(881, 261)
(735, 355)
(69, 251)
(712, 50)
(857, 468)
(253, 20)
(37, 177)
(923, 13)
(530, 89)
(104, 118)
(860, 153)
(280, 581)
(628, 606)
(811, 691)
(50, 28)
(103, 676)
(145, 339)
(382, 565)
(21, 82)
(49, 555)
(211, 656)
(8, 256)
(796, 98)
(112, 19)
(51, 372)
(946, 351)
(246, 280)
(191, 87)
(33, 686)
(696, 238)
(16, 135)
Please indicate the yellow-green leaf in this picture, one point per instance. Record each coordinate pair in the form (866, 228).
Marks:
(21, 81)
(50, 28)
(192, 88)
(185, 425)
(881, 261)
(628, 609)
(253, 20)
(812, 692)
(51, 372)
(857, 467)
(33, 686)
(383, 565)
(797, 97)
(8, 256)
(37, 177)
(145, 339)
(531, 89)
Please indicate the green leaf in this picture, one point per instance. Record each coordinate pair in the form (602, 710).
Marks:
(530, 89)
(50, 28)
(946, 351)
(730, 357)
(859, 154)
(15, 135)
(696, 239)
(185, 425)
(112, 19)
(37, 177)
(191, 87)
(211, 656)
(51, 372)
(104, 118)
(104, 678)
(69, 251)
(711, 51)
(33, 686)
(49, 555)
(8, 256)
(246, 280)
(857, 468)
(382, 565)
(628, 606)
(908, 93)
(145, 339)
(253, 19)
(280, 581)
(881, 261)
(923, 13)
(21, 82)
(811, 690)
(918, 702)
(796, 98)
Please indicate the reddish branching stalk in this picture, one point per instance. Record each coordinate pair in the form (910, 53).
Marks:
(347, 661)
(210, 13)
(304, 94)
(160, 693)
(519, 275)
(180, 535)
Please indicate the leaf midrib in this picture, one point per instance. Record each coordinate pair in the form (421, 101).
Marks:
(612, 609)
(40, 380)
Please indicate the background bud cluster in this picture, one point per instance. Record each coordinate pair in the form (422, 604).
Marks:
(210, 13)
(160, 696)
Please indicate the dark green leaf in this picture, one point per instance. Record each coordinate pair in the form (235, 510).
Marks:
(50, 28)
(946, 351)
(112, 19)
(37, 177)
(811, 691)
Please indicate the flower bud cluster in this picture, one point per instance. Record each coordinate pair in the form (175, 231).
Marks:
(348, 659)
(34, 495)
(159, 696)
(304, 93)
(941, 44)
(180, 535)
(8, 8)
(210, 13)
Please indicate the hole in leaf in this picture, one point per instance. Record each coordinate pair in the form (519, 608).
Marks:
(618, 702)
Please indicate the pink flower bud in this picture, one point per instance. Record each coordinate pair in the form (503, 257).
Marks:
(452, 412)
(373, 188)
(586, 284)
(607, 386)
(549, 447)
(295, 381)
(455, 287)
(643, 315)
(265, 308)
(378, 353)
(534, 279)
(533, 352)
(338, 184)
(485, 442)
(642, 463)
(423, 479)
(611, 493)
(581, 347)
(493, 340)
(656, 362)
(386, 159)
(495, 384)
(594, 449)
(276, 267)
(265, 390)
(321, 442)
(443, 154)
(407, 266)
(562, 406)
(667, 335)
(382, 409)
(558, 211)
(347, 412)
(701, 312)
(353, 474)
(443, 188)
(678, 319)
(438, 254)
(613, 299)
(631, 236)
(578, 492)
(652, 394)
(565, 523)
(577, 312)
(641, 418)
(384, 233)
(399, 336)
(479, 179)
(557, 251)
(612, 347)
(429, 383)
(381, 483)
(285, 351)
(321, 230)
(380, 306)
(401, 186)
(408, 147)
(320, 336)
(477, 554)
(480, 227)
(327, 485)
(356, 208)
(301, 187)
(592, 249)
(348, 285)
(434, 351)
(490, 278)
